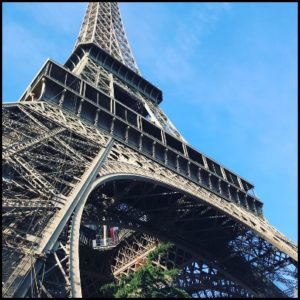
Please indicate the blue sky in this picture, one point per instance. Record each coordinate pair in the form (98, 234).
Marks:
(228, 72)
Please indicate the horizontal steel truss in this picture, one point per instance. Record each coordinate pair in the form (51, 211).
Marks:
(101, 111)
(92, 72)
(124, 160)
(78, 58)
(132, 254)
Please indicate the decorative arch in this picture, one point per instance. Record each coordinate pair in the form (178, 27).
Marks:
(115, 171)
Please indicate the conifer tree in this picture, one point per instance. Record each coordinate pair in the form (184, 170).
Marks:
(149, 281)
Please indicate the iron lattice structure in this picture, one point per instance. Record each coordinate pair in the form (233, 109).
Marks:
(87, 145)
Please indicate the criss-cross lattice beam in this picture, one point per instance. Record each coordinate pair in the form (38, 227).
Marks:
(102, 25)
(197, 278)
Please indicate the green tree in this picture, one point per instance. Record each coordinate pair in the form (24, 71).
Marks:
(149, 281)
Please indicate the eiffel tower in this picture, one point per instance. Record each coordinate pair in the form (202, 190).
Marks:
(95, 175)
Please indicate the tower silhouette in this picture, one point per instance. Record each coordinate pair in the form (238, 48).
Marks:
(95, 175)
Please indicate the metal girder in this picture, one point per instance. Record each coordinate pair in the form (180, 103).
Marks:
(12, 150)
(62, 169)
(103, 26)
(60, 220)
(194, 277)
(226, 262)
(184, 207)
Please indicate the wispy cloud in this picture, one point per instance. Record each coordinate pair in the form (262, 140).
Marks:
(171, 54)
(188, 36)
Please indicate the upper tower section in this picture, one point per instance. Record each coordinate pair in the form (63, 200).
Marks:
(102, 25)
(100, 85)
